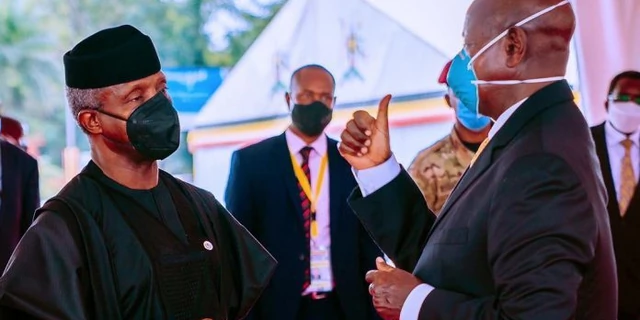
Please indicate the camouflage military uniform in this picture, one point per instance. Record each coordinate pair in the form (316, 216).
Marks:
(438, 168)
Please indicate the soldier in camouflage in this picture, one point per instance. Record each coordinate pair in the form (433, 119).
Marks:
(437, 169)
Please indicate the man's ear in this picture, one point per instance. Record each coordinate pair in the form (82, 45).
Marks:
(447, 98)
(515, 46)
(287, 98)
(89, 121)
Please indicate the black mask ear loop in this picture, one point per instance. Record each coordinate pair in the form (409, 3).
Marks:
(115, 116)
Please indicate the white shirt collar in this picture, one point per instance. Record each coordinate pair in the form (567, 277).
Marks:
(615, 137)
(296, 143)
(502, 119)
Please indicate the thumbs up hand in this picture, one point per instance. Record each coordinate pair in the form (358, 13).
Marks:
(365, 140)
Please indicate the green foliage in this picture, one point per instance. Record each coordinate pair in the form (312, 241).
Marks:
(26, 65)
(241, 40)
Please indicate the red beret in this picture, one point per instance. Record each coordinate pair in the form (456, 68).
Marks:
(11, 127)
(445, 72)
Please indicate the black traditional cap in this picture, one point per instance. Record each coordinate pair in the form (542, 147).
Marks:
(111, 56)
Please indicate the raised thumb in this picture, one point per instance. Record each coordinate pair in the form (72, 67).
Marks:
(382, 119)
(382, 265)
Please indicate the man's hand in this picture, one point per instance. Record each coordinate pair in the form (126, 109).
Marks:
(365, 140)
(389, 288)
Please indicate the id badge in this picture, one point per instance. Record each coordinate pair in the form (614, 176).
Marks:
(321, 277)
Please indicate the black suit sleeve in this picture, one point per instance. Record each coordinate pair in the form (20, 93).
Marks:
(541, 235)
(238, 194)
(31, 199)
(45, 277)
(397, 218)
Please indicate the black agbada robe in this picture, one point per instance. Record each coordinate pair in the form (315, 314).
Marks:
(99, 250)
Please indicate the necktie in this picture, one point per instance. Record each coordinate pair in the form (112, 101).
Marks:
(627, 178)
(480, 149)
(306, 214)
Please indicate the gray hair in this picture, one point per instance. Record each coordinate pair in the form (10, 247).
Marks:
(86, 99)
(83, 99)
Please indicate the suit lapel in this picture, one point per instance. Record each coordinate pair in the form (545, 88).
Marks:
(553, 94)
(282, 158)
(633, 211)
(336, 186)
(600, 141)
(483, 162)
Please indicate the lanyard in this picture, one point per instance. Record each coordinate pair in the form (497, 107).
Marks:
(306, 187)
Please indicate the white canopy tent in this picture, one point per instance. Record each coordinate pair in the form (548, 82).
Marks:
(370, 54)
(368, 51)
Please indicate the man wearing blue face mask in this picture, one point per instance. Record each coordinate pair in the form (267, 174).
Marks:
(437, 169)
(525, 233)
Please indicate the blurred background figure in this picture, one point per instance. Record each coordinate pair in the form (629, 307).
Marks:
(617, 144)
(12, 131)
(19, 192)
(438, 168)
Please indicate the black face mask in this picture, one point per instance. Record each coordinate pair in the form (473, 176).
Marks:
(153, 128)
(312, 118)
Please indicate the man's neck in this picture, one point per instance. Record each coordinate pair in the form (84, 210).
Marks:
(620, 131)
(307, 139)
(141, 175)
(469, 136)
(510, 96)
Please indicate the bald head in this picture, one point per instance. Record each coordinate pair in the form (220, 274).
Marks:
(309, 68)
(530, 48)
(545, 38)
(311, 83)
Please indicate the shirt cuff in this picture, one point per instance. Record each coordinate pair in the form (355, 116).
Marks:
(372, 179)
(413, 304)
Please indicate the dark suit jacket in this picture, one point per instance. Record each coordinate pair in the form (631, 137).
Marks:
(20, 197)
(525, 233)
(263, 195)
(625, 232)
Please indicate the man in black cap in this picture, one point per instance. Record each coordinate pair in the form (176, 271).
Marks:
(124, 240)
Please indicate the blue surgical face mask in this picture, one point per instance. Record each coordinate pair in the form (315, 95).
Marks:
(470, 119)
(462, 78)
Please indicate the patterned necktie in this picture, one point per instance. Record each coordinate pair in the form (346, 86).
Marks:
(306, 214)
(627, 178)
(480, 149)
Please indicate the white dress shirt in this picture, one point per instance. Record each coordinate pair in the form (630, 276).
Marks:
(319, 146)
(615, 149)
(372, 179)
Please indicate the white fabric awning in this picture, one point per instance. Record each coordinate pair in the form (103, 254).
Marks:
(369, 52)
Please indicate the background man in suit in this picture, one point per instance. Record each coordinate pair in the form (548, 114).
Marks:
(525, 233)
(322, 254)
(11, 131)
(19, 196)
(617, 142)
(437, 169)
